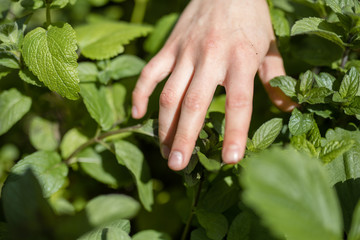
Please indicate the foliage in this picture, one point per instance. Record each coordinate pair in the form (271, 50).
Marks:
(74, 165)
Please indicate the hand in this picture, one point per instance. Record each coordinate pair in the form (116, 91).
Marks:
(215, 42)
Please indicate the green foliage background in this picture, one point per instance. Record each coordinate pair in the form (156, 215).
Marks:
(75, 165)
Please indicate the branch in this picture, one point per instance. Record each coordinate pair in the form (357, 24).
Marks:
(96, 139)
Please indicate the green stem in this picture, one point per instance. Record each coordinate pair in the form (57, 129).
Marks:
(345, 57)
(48, 14)
(192, 213)
(96, 139)
(138, 13)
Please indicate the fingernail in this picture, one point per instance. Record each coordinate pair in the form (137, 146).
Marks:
(134, 112)
(232, 154)
(175, 160)
(165, 151)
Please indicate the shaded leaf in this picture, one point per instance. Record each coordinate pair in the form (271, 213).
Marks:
(47, 168)
(215, 224)
(208, 163)
(306, 195)
(355, 225)
(126, 66)
(300, 123)
(267, 133)
(129, 155)
(44, 135)
(71, 141)
(286, 84)
(88, 72)
(13, 106)
(29, 77)
(151, 234)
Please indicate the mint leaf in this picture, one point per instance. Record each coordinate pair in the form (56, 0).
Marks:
(88, 72)
(47, 168)
(300, 123)
(126, 66)
(306, 195)
(130, 156)
(325, 80)
(350, 84)
(44, 135)
(334, 149)
(117, 230)
(319, 27)
(314, 135)
(306, 81)
(13, 106)
(302, 144)
(104, 170)
(315, 96)
(107, 208)
(286, 84)
(97, 104)
(51, 55)
(355, 225)
(208, 163)
(354, 107)
(29, 77)
(267, 133)
(4, 8)
(116, 97)
(106, 39)
(151, 234)
(199, 234)
(71, 141)
(280, 23)
(32, 4)
(215, 224)
(161, 31)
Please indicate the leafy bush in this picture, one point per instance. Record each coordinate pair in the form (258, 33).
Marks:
(74, 165)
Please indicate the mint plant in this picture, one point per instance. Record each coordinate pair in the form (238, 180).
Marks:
(74, 165)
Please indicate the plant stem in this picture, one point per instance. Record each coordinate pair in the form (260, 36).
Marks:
(96, 139)
(345, 57)
(192, 213)
(139, 11)
(48, 15)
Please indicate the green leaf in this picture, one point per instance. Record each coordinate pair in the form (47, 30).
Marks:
(215, 224)
(222, 195)
(107, 208)
(105, 170)
(306, 81)
(8, 61)
(355, 225)
(300, 123)
(116, 97)
(126, 66)
(316, 95)
(48, 169)
(96, 103)
(161, 31)
(325, 80)
(4, 8)
(354, 107)
(13, 106)
(29, 77)
(319, 27)
(350, 84)
(339, 5)
(314, 135)
(267, 133)
(51, 55)
(88, 72)
(71, 141)
(199, 234)
(32, 4)
(106, 233)
(44, 135)
(117, 230)
(306, 195)
(25, 208)
(129, 155)
(302, 144)
(11, 35)
(208, 163)
(59, 3)
(286, 84)
(280, 23)
(104, 40)
(151, 234)
(246, 226)
(149, 127)
(334, 149)
(218, 121)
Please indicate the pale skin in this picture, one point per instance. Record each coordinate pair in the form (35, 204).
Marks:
(215, 42)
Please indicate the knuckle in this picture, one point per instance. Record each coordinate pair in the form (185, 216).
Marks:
(212, 42)
(137, 93)
(193, 102)
(168, 98)
(184, 139)
(239, 101)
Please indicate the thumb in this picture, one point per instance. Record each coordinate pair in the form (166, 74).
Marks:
(271, 67)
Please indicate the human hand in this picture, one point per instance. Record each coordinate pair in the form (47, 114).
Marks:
(214, 43)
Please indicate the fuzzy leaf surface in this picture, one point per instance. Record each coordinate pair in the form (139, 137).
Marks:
(286, 84)
(267, 133)
(300, 123)
(51, 55)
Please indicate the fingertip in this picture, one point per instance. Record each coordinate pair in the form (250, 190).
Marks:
(232, 154)
(176, 161)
